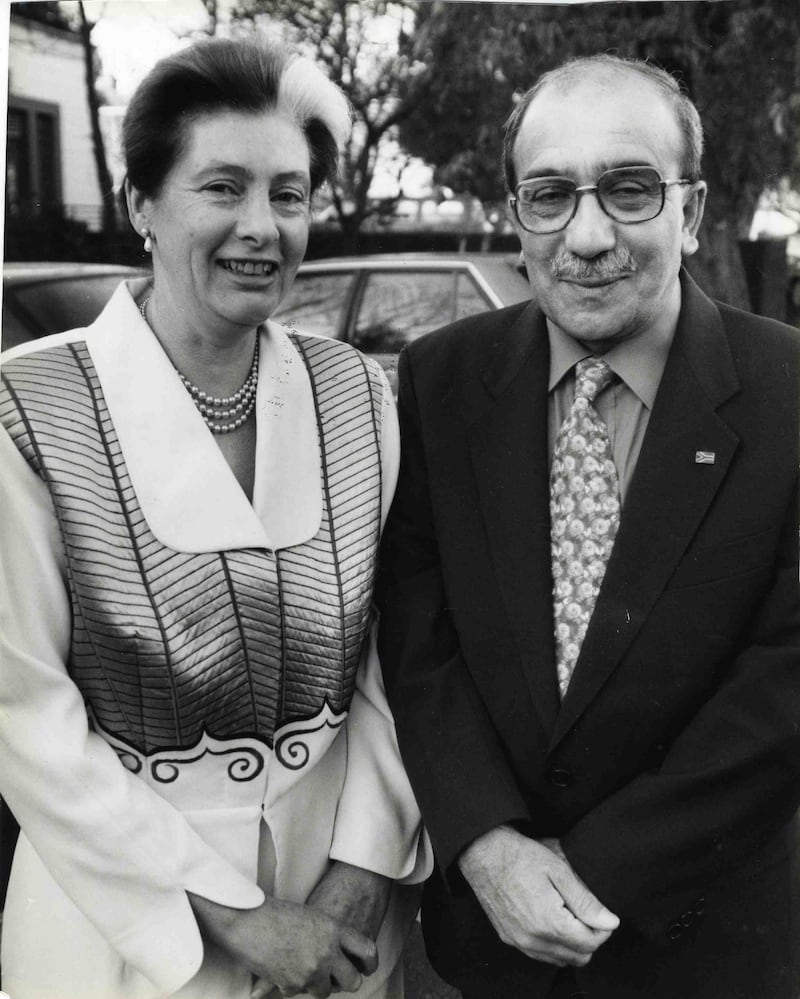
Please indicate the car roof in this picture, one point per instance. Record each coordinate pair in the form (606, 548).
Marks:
(418, 256)
(508, 284)
(25, 272)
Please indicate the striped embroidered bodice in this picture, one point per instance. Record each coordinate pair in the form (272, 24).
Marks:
(167, 644)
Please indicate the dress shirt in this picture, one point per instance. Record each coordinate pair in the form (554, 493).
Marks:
(625, 405)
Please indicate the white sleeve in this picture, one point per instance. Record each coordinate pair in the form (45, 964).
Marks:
(378, 825)
(124, 855)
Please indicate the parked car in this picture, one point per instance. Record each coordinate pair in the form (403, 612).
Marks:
(42, 298)
(793, 257)
(380, 302)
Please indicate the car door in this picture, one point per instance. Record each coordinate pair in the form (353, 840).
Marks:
(319, 301)
(394, 306)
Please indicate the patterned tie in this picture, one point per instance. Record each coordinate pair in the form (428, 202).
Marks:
(584, 514)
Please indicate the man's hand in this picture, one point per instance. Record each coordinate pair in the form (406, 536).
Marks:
(534, 899)
(294, 948)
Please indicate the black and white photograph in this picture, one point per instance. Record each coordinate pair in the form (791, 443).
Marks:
(399, 499)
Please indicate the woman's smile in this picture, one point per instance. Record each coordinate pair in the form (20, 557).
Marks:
(250, 268)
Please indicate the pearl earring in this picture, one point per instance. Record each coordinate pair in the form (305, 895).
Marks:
(148, 242)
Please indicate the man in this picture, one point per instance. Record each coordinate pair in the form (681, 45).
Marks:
(589, 589)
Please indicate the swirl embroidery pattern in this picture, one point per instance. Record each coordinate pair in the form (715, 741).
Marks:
(291, 748)
(246, 765)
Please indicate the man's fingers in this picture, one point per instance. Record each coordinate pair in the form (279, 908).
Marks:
(567, 941)
(534, 899)
(573, 935)
(582, 903)
(557, 954)
(558, 937)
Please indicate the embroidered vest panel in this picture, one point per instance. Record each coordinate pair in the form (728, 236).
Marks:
(167, 644)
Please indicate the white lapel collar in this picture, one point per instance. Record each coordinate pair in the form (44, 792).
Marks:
(187, 492)
(288, 484)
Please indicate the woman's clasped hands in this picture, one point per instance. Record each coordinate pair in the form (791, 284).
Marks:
(318, 948)
(290, 947)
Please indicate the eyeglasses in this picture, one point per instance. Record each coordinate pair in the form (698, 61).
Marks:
(626, 194)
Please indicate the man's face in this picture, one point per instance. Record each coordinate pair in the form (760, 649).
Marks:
(610, 281)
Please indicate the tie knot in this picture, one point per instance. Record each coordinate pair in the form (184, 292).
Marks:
(592, 375)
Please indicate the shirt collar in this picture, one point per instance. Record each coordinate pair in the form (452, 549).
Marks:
(639, 361)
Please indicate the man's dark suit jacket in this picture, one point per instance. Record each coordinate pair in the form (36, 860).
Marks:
(671, 772)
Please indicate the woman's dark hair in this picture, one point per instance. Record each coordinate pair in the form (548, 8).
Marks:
(226, 74)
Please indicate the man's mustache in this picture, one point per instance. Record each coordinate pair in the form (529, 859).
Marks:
(610, 265)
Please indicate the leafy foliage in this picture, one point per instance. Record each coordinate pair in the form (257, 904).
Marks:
(365, 50)
(738, 59)
(44, 12)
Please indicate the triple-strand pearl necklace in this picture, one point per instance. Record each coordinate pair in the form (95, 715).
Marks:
(222, 415)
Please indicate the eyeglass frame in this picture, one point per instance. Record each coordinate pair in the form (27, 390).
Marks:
(594, 188)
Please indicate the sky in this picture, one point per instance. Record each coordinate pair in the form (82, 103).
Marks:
(132, 35)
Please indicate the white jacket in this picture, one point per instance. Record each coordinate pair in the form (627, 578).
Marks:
(97, 905)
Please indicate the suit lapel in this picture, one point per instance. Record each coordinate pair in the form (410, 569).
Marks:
(668, 498)
(510, 461)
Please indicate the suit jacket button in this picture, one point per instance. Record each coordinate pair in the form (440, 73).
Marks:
(687, 919)
(675, 931)
(700, 906)
(560, 778)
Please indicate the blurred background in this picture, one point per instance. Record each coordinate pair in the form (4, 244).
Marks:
(431, 84)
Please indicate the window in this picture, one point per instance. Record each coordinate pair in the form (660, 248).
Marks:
(61, 304)
(316, 302)
(398, 306)
(18, 178)
(33, 159)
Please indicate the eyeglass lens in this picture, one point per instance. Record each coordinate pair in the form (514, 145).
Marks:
(627, 194)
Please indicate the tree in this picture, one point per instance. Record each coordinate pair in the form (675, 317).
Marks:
(43, 11)
(365, 50)
(737, 58)
(74, 19)
(104, 178)
(459, 129)
(212, 12)
(70, 18)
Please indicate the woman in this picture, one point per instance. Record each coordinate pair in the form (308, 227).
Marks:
(194, 736)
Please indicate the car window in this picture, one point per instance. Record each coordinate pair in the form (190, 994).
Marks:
(470, 298)
(315, 303)
(64, 304)
(398, 306)
(15, 331)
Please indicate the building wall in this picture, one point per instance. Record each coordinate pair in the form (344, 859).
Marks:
(46, 65)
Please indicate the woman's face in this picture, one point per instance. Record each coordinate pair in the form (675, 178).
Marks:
(230, 224)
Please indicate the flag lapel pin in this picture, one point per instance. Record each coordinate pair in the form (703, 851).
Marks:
(705, 457)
